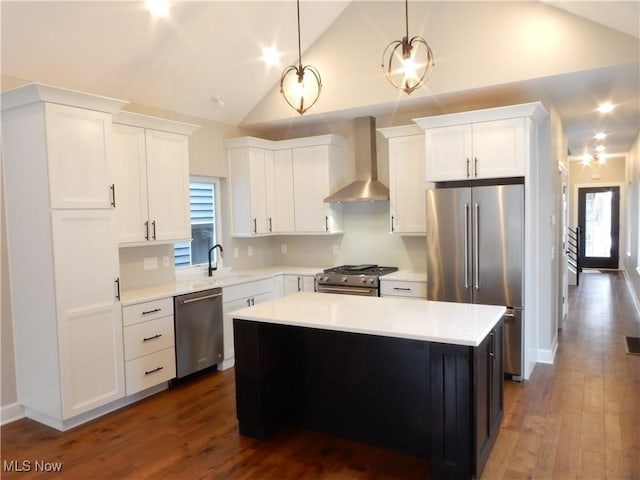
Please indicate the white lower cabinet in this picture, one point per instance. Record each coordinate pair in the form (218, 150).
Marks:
(240, 296)
(402, 288)
(298, 283)
(148, 344)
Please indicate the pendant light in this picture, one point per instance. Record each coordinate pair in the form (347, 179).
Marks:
(402, 68)
(302, 84)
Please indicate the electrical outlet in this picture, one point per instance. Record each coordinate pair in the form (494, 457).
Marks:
(250, 251)
(165, 261)
(150, 263)
(236, 252)
(336, 249)
(283, 248)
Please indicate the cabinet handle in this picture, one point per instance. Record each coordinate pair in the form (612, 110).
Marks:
(146, 228)
(299, 284)
(149, 372)
(157, 335)
(255, 226)
(475, 166)
(253, 301)
(248, 302)
(326, 223)
(113, 195)
(492, 352)
(392, 221)
(468, 167)
(155, 310)
(198, 299)
(117, 281)
(154, 229)
(476, 254)
(404, 289)
(270, 226)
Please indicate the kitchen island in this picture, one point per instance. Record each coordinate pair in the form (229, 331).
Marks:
(415, 376)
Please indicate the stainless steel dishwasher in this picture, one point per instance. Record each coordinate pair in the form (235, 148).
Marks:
(198, 329)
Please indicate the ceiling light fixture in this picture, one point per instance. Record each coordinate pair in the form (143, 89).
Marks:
(403, 67)
(606, 107)
(599, 148)
(270, 56)
(600, 136)
(304, 85)
(158, 8)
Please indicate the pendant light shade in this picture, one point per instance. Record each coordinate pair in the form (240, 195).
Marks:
(300, 86)
(407, 63)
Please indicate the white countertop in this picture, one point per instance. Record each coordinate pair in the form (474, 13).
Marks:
(219, 279)
(442, 322)
(405, 276)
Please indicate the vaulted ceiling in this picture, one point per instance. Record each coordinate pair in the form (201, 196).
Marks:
(486, 53)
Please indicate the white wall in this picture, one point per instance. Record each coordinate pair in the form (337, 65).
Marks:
(630, 255)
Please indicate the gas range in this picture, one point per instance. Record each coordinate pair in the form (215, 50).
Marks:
(352, 279)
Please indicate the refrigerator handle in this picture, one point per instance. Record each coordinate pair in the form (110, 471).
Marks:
(466, 246)
(476, 246)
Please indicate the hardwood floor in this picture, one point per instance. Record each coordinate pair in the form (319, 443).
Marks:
(578, 418)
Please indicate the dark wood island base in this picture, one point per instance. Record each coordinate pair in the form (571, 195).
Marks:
(438, 401)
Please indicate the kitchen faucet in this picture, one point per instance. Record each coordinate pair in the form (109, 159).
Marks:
(211, 269)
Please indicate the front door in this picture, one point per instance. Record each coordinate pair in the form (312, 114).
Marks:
(599, 221)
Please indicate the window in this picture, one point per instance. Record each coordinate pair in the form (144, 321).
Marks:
(203, 199)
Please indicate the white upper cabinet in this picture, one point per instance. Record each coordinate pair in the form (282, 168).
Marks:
(78, 151)
(314, 179)
(280, 187)
(406, 180)
(491, 143)
(168, 186)
(283, 209)
(152, 172)
(251, 174)
(449, 152)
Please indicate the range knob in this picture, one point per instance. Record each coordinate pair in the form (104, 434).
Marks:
(371, 281)
(344, 279)
(363, 280)
(325, 278)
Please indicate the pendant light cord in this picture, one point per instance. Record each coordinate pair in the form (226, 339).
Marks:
(406, 16)
(299, 49)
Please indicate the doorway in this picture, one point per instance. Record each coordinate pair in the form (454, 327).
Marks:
(599, 221)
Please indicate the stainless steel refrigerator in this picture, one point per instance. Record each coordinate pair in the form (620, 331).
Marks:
(475, 248)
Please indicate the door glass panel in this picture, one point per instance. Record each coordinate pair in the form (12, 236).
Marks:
(598, 224)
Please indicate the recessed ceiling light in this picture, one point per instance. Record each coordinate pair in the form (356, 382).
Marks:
(600, 136)
(158, 8)
(599, 148)
(586, 158)
(270, 56)
(605, 107)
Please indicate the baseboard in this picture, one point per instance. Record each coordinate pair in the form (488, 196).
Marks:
(547, 356)
(11, 413)
(634, 297)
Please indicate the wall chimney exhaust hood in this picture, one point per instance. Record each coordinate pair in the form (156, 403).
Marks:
(366, 187)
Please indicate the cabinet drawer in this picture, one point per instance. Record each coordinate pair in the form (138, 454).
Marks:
(398, 288)
(147, 337)
(150, 370)
(142, 312)
(244, 290)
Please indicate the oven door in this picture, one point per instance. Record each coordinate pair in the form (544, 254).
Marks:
(345, 290)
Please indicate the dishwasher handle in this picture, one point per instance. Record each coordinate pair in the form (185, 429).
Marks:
(197, 299)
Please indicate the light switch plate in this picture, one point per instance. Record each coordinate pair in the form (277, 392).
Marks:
(283, 248)
(236, 252)
(250, 251)
(336, 249)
